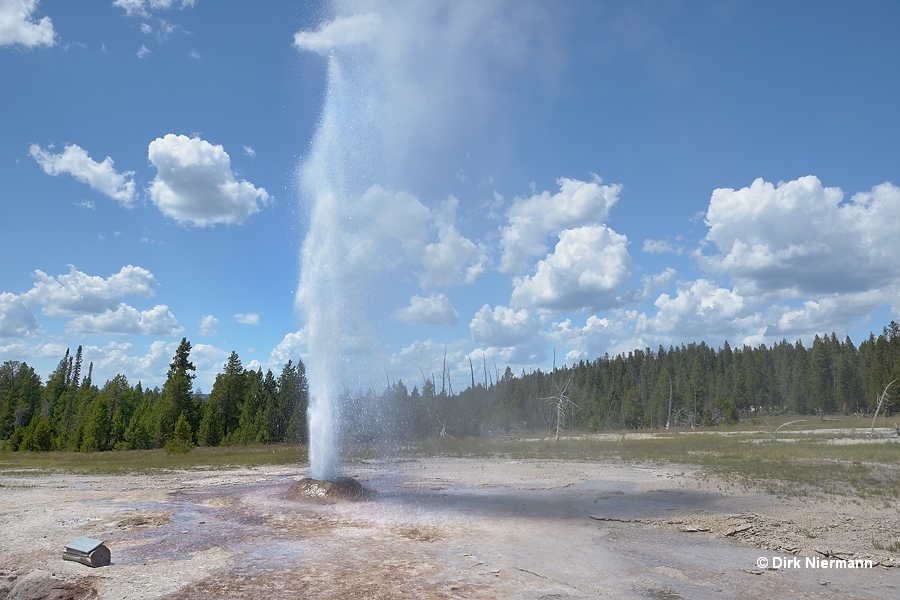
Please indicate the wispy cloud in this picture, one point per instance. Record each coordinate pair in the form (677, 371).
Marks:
(143, 8)
(76, 162)
(247, 318)
(208, 326)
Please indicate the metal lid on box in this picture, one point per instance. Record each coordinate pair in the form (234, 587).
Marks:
(84, 544)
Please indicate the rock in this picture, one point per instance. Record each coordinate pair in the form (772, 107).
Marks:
(42, 585)
(738, 529)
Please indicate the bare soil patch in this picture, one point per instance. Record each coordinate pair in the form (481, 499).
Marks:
(440, 528)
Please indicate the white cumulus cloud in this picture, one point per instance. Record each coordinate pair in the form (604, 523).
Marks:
(159, 320)
(195, 185)
(119, 357)
(94, 303)
(699, 310)
(77, 293)
(147, 364)
(502, 326)
(341, 32)
(531, 220)
(822, 314)
(584, 271)
(291, 347)
(16, 320)
(799, 237)
(17, 25)
(452, 259)
(76, 162)
(596, 337)
(433, 310)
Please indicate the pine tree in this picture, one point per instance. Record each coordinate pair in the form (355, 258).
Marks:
(292, 401)
(228, 393)
(143, 426)
(250, 409)
(177, 393)
(52, 403)
(268, 409)
(20, 396)
(120, 400)
(209, 432)
(182, 436)
(66, 411)
(96, 427)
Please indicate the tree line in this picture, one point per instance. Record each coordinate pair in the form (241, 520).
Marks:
(686, 385)
(682, 386)
(70, 412)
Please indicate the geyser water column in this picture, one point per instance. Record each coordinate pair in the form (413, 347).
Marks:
(410, 102)
(321, 297)
(333, 284)
(340, 257)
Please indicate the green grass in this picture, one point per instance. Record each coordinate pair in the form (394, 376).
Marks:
(890, 546)
(800, 463)
(745, 456)
(146, 461)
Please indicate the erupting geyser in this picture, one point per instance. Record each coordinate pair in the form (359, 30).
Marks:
(409, 88)
(336, 271)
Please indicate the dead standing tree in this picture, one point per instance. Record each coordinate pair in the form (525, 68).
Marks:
(560, 401)
(878, 408)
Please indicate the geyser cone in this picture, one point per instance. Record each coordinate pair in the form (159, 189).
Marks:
(339, 488)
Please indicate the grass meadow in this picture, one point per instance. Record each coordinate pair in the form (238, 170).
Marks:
(780, 455)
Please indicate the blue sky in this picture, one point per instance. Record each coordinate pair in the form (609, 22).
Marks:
(493, 180)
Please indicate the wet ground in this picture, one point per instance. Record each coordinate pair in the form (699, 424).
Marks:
(437, 528)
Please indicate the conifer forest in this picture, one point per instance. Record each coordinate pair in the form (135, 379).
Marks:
(681, 386)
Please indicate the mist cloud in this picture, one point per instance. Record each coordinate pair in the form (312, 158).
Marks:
(339, 33)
